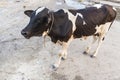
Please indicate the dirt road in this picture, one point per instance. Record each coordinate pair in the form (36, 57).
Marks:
(22, 59)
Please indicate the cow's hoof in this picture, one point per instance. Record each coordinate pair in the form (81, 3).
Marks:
(54, 67)
(63, 58)
(92, 56)
(85, 52)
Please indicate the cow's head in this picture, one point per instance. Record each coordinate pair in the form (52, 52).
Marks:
(39, 22)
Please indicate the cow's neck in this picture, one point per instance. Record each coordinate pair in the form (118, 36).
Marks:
(50, 25)
(61, 28)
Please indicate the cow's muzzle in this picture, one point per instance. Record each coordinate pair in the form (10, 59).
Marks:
(25, 34)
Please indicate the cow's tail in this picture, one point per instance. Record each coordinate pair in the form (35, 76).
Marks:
(111, 24)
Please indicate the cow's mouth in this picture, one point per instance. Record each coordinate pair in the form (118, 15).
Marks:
(27, 37)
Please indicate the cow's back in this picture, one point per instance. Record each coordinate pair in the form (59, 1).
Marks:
(92, 17)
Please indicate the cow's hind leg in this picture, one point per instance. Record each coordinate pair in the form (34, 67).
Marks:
(104, 29)
(101, 38)
(87, 50)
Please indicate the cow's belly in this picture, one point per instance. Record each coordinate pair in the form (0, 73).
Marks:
(84, 31)
(91, 30)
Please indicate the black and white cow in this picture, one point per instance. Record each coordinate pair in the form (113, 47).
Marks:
(65, 25)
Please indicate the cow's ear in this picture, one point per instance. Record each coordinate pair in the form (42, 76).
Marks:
(28, 12)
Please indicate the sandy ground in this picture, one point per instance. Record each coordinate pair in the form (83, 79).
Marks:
(22, 59)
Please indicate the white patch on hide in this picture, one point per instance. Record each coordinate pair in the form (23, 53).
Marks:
(97, 6)
(79, 14)
(102, 29)
(72, 18)
(39, 10)
(114, 8)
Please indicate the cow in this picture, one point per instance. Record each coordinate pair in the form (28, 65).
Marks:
(64, 25)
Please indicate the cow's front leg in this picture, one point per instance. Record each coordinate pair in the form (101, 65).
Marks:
(64, 52)
(62, 55)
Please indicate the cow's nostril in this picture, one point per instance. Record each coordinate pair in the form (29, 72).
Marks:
(24, 33)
